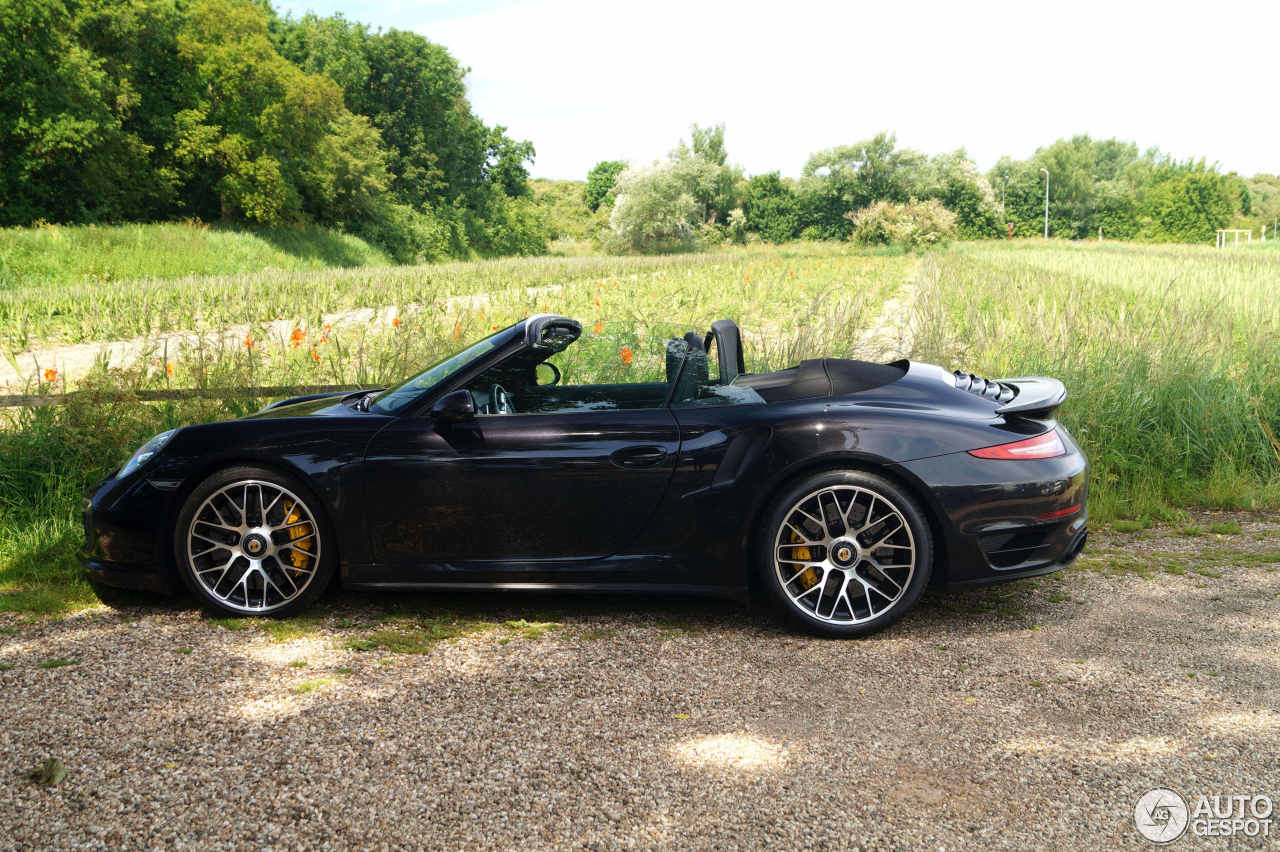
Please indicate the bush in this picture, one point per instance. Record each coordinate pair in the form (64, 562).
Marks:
(738, 226)
(916, 223)
(653, 213)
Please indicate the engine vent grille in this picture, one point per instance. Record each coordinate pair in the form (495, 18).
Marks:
(986, 388)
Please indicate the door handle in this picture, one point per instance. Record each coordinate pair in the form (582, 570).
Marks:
(646, 456)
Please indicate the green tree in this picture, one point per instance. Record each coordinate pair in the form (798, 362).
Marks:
(849, 177)
(259, 118)
(64, 154)
(954, 180)
(1186, 202)
(600, 181)
(505, 161)
(771, 208)
(1087, 180)
(417, 100)
(703, 169)
(334, 47)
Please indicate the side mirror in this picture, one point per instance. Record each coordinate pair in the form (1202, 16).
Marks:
(454, 407)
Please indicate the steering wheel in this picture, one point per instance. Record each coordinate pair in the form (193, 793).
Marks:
(500, 401)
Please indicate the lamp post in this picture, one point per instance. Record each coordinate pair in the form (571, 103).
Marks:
(1046, 202)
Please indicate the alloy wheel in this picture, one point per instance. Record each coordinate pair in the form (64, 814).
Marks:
(844, 554)
(253, 546)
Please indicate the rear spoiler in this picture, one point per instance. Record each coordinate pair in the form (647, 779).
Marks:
(1033, 396)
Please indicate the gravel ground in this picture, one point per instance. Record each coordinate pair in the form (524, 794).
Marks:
(1025, 716)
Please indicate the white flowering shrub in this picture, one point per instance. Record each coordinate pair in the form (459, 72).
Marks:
(654, 212)
(916, 223)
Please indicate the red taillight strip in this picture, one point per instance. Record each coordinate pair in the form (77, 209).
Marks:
(1048, 516)
(1044, 446)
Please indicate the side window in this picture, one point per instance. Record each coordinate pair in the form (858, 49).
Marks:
(594, 374)
(695, 386)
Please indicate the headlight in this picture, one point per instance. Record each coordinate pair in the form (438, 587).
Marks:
(145, 453)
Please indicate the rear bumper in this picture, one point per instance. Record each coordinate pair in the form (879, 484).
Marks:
(1006, 519)
(1074, 549)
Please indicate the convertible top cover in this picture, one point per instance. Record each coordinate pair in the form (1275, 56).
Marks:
(819, 377)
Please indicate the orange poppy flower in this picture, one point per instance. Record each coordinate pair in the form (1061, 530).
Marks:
(296, 337)
(599, 327)
(395, 323)
(747, 276)
(457, 330)
(597, 301)
(248, 341)
(495, 328)
(315, 356)
(168, 368)
(50, 375)
(627, 355)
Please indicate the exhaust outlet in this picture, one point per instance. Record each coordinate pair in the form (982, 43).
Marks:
(1076, 547)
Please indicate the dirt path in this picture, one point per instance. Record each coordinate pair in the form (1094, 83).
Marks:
(75, 360)
(892, 335)
(1030, 715)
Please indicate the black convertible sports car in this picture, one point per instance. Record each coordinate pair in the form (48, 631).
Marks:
(837, 488)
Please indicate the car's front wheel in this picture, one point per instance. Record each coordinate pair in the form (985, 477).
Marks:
(251, 541)
(845, 553)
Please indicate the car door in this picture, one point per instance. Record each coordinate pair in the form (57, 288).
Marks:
(521, 489)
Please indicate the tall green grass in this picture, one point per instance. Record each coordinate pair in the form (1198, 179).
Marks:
(1171, 357)
(57, 256)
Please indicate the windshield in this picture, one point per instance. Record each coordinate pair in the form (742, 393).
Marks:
(393, 399)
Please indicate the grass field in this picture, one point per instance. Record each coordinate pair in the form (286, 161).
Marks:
(57, 256)
(1169, 353)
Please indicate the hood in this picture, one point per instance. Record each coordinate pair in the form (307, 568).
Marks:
(312, 405)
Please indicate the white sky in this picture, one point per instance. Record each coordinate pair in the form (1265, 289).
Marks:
(588, 80)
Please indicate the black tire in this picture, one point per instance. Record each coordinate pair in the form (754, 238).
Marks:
(281, 563)
(891, 588)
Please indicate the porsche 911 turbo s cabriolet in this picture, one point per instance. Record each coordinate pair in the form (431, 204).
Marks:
(838, 489)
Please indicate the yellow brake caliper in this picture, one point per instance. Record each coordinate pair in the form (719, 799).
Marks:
(809, 577)
(299, 536)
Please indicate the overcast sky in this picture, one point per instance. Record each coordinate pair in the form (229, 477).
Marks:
(588, 80)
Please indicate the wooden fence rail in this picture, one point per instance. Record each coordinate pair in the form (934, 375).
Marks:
(42, 400)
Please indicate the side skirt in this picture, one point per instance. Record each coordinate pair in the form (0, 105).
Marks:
(731, 593)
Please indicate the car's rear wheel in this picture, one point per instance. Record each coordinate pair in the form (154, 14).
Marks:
(251, 541)
(845, 553)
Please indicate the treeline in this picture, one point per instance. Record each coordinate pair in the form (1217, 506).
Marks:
(143, 110)
(222, 111)
(875, 191)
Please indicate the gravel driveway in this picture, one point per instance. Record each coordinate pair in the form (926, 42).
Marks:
(1026, 716)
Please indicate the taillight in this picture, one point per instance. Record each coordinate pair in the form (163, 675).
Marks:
(1044, 446)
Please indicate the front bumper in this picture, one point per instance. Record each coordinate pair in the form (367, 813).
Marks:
(1006, 519)
(125, 544)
